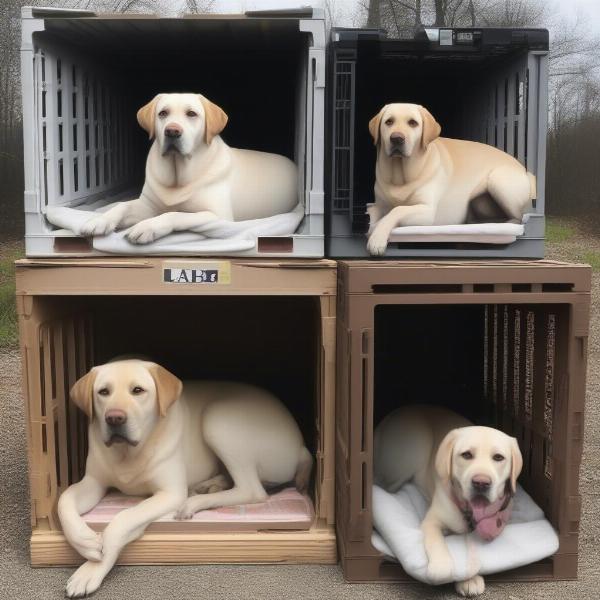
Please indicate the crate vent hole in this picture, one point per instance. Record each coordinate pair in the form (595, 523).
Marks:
(486, 351)
(516, 362)
(495, 357)
(61, 182)
(529, 365)
(483, 288)
(505, 344)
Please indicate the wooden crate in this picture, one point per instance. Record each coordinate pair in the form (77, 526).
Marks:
(74, 313)
(504, 343)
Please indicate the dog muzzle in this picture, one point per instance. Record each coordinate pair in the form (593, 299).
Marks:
(487, 519)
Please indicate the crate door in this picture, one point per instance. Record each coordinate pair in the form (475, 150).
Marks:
(84, 129)
(507, 109)
(58, 428)
(342, 132)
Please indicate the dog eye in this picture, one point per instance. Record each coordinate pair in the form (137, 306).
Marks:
(191, 113)
(467, 455)
(498, 457)
(137, 390)
(413, 123)
(389, 122)
(103, 391)
(163, 113)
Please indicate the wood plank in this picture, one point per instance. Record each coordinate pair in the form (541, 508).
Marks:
(316, 546)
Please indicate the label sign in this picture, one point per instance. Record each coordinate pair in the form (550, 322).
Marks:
(197, 273)
(464, 37)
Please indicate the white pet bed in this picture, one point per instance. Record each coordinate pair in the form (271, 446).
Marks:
(527, 538)
(474, 233)
(479, 233)
(214, 237)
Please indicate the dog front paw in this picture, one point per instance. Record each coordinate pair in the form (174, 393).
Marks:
(186, 511)
(86, 541)
(378, 242)
(471, 587)
(99, 225)
(149, 230)
(86, 580)
(440, 570)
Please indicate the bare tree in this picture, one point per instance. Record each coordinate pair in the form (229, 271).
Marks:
(199, 6)
(374, 14)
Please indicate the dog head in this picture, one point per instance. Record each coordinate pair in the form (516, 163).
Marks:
(480, 463)
(181, 123)
(403, 128)
(126, 398)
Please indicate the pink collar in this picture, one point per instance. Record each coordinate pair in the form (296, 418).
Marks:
(486, 519)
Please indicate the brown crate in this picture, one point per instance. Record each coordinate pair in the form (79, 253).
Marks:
(77, 313)
(519, 365)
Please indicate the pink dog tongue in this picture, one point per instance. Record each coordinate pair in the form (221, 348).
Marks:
(490, 518)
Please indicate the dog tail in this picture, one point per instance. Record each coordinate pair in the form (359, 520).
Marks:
(532, 185)
(303, 470)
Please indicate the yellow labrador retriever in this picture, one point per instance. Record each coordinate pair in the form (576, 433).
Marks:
(468, 473)
(151, 435)
(424, 179)
(193, 177)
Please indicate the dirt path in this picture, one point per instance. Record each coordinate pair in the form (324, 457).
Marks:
(20, 582)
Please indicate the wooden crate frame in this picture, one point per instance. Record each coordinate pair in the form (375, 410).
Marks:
(514, 286)
(57, 458)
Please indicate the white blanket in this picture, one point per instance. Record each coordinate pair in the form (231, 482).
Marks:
(527, 538)
(214, 237)
(475, 233)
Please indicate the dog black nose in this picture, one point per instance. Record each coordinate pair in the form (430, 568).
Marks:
(172, 132)
(397, 138)
(115, 417)
(481, 483)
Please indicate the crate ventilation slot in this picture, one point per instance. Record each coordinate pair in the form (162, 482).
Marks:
(417, 288)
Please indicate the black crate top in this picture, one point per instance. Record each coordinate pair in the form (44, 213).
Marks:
(434, 40)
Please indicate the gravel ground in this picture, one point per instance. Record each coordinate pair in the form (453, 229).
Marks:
(18, 581)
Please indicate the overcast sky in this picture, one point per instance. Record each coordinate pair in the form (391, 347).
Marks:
(589, 10)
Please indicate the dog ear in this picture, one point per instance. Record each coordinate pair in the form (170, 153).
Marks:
(443, 457)
(215, 119)
(82, 393)
(431, 128)
(374, 125)
(516, 464)
(168, 387)
(146, 114)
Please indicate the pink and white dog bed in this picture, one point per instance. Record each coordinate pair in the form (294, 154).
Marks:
(287, 509)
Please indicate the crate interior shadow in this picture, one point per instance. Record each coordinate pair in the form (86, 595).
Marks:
(267, 341)
(429, 355)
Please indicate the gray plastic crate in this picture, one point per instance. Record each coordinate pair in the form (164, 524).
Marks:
(486, 85)
(84, 75)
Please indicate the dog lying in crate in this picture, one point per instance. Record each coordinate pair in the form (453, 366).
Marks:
(468, 473)
(194, 178)
(149, 434)
(424, 179)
